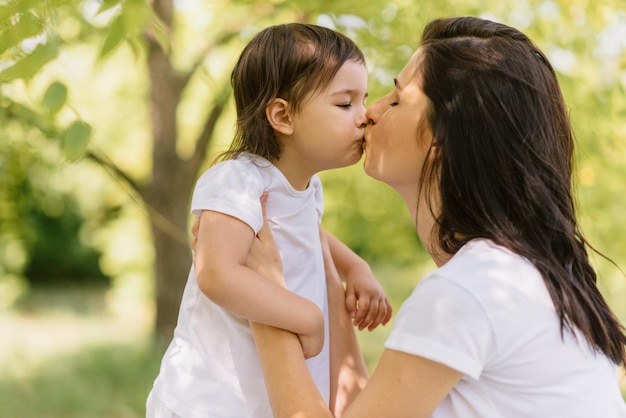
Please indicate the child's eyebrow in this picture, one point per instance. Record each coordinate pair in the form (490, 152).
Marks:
(348, 92)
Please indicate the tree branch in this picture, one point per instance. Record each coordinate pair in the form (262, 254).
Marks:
(202, 143)
(217, 41)
(109, 165)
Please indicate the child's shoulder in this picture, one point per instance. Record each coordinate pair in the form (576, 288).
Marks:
(245, 168)
(243, 164)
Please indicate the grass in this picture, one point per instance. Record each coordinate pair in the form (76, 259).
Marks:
(101, 381)
(79, 353)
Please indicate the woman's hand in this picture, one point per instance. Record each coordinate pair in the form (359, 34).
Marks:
(264, 258)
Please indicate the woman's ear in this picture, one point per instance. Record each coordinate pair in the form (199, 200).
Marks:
(279, 116)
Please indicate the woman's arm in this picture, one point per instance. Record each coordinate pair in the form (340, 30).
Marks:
(402, 385)
(291, 388)
(221, 249)
(348, 372)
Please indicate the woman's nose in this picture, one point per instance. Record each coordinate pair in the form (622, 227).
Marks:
(372, 114)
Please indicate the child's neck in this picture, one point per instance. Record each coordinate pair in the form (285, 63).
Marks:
(297, 174)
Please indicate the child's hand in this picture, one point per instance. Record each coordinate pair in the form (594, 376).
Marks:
(366, 300)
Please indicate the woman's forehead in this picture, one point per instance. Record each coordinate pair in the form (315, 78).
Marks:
(410, 70)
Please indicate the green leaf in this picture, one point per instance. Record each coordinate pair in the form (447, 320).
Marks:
(106, 5)
(76, 139)
(28, 116)
(136, 14)
(27, 26)
(31, 63)
(10, 8)
(114, 36)
(54, 97)
(134, 18)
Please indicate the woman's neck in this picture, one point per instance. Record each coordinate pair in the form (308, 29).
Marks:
(425, 224)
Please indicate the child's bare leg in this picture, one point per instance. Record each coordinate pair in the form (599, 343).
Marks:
(348, 372)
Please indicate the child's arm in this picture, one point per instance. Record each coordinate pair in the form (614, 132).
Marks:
(365, 298)
(348, 372)
(221, 247)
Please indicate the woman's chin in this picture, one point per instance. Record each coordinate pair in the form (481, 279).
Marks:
(369, 170)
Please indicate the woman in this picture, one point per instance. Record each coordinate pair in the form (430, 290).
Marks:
(476, 139)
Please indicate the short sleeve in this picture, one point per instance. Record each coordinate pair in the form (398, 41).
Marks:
(443, 322)
(234, 188)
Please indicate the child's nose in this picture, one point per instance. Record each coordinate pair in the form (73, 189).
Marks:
(362, 119)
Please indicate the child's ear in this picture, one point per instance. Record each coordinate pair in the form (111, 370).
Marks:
(279, 116)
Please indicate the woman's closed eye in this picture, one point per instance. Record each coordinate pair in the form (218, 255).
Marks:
(394, 99)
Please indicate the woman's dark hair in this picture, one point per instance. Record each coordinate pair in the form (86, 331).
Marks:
(503, 163)
(289, 61)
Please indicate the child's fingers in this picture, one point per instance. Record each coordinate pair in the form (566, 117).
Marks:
(371, 314)
(351, 302)
(389, 313)
(366, 312)
(363, 307)
(381, 316)
(379, 312)
(371, 319)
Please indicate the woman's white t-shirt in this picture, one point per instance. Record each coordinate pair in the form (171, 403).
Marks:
(488, 314)
(211, 368)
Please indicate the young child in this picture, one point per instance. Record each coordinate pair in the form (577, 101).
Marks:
(299, 92)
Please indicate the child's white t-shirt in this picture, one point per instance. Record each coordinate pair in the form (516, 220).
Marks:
(488, 314)
(211, 368)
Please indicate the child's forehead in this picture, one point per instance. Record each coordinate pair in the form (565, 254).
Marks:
(351, 77)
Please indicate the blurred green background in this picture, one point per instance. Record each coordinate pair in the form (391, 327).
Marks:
(109, 111)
